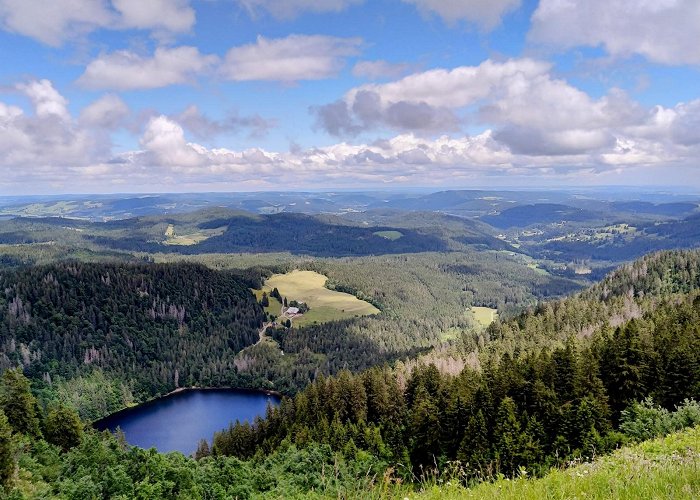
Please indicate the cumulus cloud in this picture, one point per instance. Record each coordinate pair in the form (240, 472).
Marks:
(377, 70)
(203, 127)
(48, 137)
(165, 141)
(485, 13)
(53, 150)
(46, 99)
(125, 70)
(56, 21)
(289, 9)
(423, 101)
(290, 59)
(666, 31)
(107, 112)
(457, 87)
(685, 127)
(531, 111)
(170, 15)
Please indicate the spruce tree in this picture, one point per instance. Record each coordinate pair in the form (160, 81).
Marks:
(18, 403)
(7, 461)
(63, 427)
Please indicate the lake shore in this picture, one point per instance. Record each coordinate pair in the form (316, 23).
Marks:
(183, 390)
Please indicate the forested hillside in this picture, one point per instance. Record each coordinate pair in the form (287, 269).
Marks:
(149, 328)
(537, 405)
(627, 293)
(424, 300)
(296, 233)
(565, 381)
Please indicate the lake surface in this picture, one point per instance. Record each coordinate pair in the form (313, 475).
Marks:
(177, 422)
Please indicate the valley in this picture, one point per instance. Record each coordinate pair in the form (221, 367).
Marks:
(349, 249)
(326, 309)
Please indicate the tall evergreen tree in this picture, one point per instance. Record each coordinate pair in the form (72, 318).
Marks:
(7, 460)
(18, 403)
(63, 427)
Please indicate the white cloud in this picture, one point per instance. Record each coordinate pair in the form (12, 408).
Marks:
(290, 59)
(107, 112)
(458, 87)
(423, 101)
(685, 127)
(46, 99)
(202, 126)
(48, 149)
(55, 21)
(289, 9)
(532, 112)
(52, 22)
(125, 70)
(376, 70)
(48, 137)
(170, 15)
(165, 140)
(664, 31)
(486, 13)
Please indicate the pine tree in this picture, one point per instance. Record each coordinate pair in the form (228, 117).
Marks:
(7, 460)
(63, 427)
(475, 448)
(424, 429)
(18, 403)
(508, 437)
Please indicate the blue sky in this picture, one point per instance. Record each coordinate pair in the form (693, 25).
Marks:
(227, 95)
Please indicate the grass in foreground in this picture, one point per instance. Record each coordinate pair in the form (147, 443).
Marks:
(325, 305)
(667, 467)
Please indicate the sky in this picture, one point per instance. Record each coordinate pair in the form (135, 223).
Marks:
(106, 96)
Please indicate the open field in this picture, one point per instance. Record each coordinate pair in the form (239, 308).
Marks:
(662, 468)
(484, 315)
(325, 305)
(172, 238)
(389, 235)
(274, 307)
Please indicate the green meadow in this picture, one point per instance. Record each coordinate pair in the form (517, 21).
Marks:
(309, 287)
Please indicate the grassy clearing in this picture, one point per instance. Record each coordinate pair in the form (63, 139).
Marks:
(172, 238)
(325, 305)
(484, 315)
(275, 306)
(668, 467)
(389, 235)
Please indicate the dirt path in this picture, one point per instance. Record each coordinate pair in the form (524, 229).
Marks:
(262, 330)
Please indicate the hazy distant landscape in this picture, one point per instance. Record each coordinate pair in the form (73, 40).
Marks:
(568, 233)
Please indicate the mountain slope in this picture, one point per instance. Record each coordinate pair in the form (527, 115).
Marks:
(661, 468)
(152, 327)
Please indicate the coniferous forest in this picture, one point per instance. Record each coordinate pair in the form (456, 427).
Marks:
(133, 331)
(562, 382)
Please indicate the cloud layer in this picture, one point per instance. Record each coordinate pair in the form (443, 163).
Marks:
(600, 139)
(125, 70)
(290, 59)
(56, 21)
(665, 31)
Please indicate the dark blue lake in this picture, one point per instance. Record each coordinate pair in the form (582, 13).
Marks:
(177, 422)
